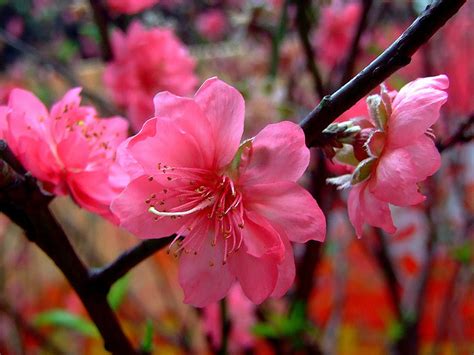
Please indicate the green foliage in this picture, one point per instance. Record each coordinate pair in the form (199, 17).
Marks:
(118, 292)
(90, 30)
(64, 319)
(281, 326)
(463, 253)
(67, 50)
(395, 331)
(147, 342)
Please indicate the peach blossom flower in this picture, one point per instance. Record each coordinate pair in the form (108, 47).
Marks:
(397, 152)
(145, 62)
(130, 7)
(234, 207)
(212, 24)
(69, 149)
(334, 36)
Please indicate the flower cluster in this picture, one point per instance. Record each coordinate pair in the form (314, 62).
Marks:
(234, 208)
(146, 62)
(68, 149)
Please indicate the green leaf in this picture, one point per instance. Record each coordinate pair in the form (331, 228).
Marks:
(118, 292)
(463, 253)
(67, 50)
(265, 330)
(395, 331)
(90, 30)
(64, 319)
(147, 342)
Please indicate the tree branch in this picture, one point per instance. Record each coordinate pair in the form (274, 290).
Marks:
(304, 26)
(464, 134)
(27, 206)
(355, 45)
(105, 277)
(101, 19)
(393, 58)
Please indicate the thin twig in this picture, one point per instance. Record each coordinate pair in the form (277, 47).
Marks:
(101, 19)
(464, 134)
(51, 64)
(355, 44)
(393, 58)
(304, 26)
(105, 277)
(278, 36)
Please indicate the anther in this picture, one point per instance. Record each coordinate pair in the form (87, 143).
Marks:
(150, 178)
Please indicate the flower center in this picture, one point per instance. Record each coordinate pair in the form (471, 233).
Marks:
(212, 201)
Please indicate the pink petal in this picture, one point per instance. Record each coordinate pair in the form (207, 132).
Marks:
(289, 206)
(182, 136)
(415, 109)
(257, 276)
(204, 277)
(132, 210)
(278, 153)
(364, 207)
(3, 120)
(286, 269)
(74, 151)
(398, 172)
(224, 107)
(27, 103)
(261, 238)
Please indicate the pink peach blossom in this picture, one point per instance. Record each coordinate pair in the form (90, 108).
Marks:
(241, 314)
(234, 207)
(69, 149)
(145, 62)
(212, 24)
(399, 152)
(130, 7)
(334, 35)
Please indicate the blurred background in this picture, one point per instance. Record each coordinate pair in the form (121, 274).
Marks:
(371, 295)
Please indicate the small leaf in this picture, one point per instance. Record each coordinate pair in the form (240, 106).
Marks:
(118, 292)
(64, 319)
(265, 330)
(463, 253)
(395, 331)
(147, 342)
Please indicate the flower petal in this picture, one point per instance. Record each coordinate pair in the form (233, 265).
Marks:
(204, 277)
(257, 276)
(261, 238)
(286, 269)
(132, 210)
(224, 107)
(364, 207)
(291, 207)
(399, 171)
(182, 136)
(278, 153)
(415, 109)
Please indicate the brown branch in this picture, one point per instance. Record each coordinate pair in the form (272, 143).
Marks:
(393, 58)
(304, 26)
(386, 266)
(27, 206)
(355, 45)
(105, 277)
(464, 134)
(101, 19)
